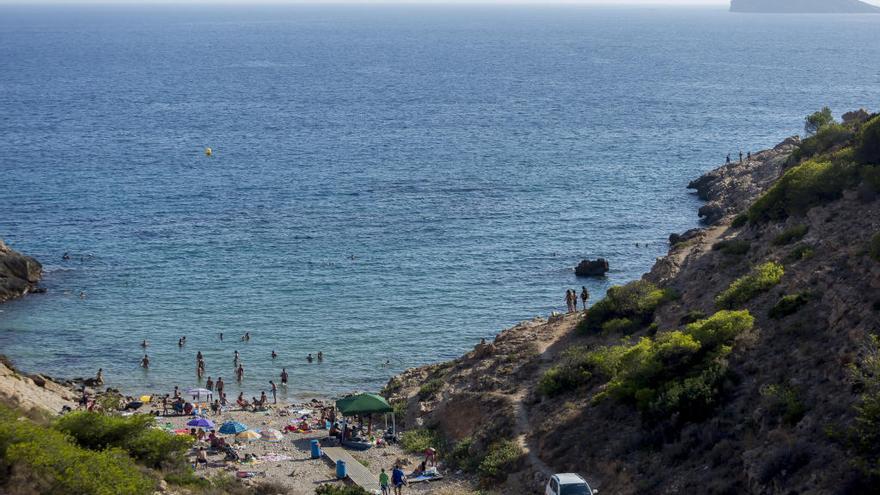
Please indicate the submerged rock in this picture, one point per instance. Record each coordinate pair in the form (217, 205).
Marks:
(592, 268)
(19, 274)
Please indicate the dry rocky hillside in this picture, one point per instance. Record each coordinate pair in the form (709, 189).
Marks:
(743, 362)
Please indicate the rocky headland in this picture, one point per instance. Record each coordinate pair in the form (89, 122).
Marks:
(745, 361)
(19, 274)
(803, 7)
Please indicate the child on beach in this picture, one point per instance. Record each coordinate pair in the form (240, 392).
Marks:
(383, 482)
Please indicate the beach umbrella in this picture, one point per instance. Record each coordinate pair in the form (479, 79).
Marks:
(248, 435)
(205, 424)
(232, 427)
(271, 435)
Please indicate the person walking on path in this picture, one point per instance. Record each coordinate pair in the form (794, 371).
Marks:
(398, 479)
(274, 392)
(383, 482)
(585, 296)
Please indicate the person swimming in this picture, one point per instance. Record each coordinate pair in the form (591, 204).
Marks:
(320, 356)
(221, 336)
(309, 358)
(283, 376)
(274, 354)
(145, 362)
(144, 344)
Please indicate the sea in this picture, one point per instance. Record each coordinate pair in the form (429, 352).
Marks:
(389, 183)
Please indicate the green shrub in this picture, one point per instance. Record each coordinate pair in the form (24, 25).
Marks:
(827, 139)
(635, 301)
(864, 434)
(579, 365)
(788, 305)
(868, 143)
(154, 448)
(462, 458)
(677, 372)
(802, 252)
(732, 247)
(743, 289)
(430, 388)
(692, 316)
(739, 221)
(806, 185)
(784, 401)
(500, 459)
(619, 325)
(818, 120)
(52, 464)
(791, 234)
(874, 247)
(418, 440)
(187, 478)
(340, 490)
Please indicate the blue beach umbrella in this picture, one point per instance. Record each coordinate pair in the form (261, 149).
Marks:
(232, 427)
(203, 423)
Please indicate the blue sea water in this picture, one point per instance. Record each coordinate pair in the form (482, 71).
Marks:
(388, 182)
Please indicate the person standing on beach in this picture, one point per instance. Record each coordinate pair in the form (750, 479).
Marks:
(209, 385)
(585, 296)
(274, 392)
(99, 376)
(145, 362)
(220, 385)
(283, 376)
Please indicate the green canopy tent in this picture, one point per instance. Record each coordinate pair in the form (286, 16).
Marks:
(361, 404)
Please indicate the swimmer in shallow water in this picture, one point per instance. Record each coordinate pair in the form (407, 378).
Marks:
(274, 354)
(309, 358)
(144, 344)
(145, 362)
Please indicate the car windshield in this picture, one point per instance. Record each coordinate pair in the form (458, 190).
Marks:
(579, 489)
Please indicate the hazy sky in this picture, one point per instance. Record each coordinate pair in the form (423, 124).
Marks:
(605, 2)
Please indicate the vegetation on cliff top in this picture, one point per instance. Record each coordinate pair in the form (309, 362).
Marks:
(761, 279)
(625, 308)
(836, 158)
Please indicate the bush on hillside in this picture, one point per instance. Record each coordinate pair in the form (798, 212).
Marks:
(48, 462)
(864, 434)
(788, 305)
(635, 301)
(739, 221)
(462, 456)
(678, 372)
(801, 252)
(416, 441)
(811, 183)
(828, 139)
(134, 434)
(791, 234)
(784, 402)
(874, 247)
(578, 365)
(500, 459)
(816, 121)
(761, 279)
(732, 247)
(868, 143)
(429, 389)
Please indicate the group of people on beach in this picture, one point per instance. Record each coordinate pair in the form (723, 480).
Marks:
(571, 299)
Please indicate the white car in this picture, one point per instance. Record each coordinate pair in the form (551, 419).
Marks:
(568, 484)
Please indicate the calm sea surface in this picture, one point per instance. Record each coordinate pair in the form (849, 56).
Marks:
(388, 183)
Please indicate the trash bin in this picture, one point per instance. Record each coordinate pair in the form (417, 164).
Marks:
(340, 470)
(316, 449)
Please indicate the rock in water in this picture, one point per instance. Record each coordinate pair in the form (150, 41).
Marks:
(803, 7)
(19, 274)
(590, 268)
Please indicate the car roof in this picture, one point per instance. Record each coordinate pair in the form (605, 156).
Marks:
(569, 478)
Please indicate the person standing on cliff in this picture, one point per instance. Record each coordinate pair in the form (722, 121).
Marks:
(568, 300)
(740, 156)
(585, 296)
(728, 158)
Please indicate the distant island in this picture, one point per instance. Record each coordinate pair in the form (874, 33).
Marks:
(803, 7)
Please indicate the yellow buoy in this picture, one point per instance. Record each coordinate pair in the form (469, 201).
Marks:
(209, 152)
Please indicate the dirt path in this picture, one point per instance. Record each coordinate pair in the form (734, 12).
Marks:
(523, 426)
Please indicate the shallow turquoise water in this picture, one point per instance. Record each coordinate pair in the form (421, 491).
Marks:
(389, 183)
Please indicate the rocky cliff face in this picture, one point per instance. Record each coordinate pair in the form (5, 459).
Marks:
(777, 423)
(803, 7)
(19, 274)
